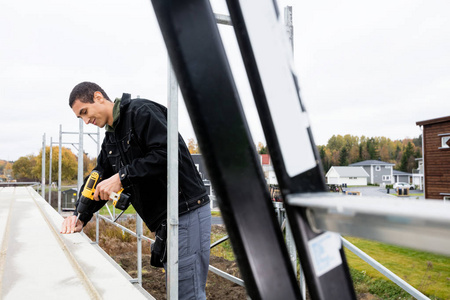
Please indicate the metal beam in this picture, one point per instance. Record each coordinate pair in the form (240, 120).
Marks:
(419, 224)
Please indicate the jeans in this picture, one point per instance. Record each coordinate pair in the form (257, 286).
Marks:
(194, 235)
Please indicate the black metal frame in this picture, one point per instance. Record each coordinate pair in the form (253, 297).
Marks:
(198, 57)
(337, 283)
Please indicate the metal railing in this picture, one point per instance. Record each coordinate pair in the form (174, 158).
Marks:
(140, 236)
(281, 214)
(418, 224)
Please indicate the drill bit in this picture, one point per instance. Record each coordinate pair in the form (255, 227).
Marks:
(76, 221)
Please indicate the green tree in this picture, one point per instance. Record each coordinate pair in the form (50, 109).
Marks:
(408, 154)
(69, 164)
(325, 158)
(372, 148)
(336, 142)
(23, 168)
(262, 149)
(343, 157)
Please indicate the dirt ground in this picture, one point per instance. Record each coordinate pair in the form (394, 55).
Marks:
(122, 248)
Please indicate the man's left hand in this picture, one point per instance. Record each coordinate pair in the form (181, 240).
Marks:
(108, 186)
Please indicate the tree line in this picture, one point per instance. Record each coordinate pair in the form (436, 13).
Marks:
(339, 151)
(29, 168)
(348, 149)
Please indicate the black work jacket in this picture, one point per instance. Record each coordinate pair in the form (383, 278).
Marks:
(137, 150)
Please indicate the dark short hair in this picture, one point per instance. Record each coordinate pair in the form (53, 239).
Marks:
(85, 92)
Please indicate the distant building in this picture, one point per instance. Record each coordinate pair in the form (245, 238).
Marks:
(201, 167)
(269, 173)
(436, 157)
(418, 175)
(380, 172)
(347, 175)
(200, 164)
(400, 176)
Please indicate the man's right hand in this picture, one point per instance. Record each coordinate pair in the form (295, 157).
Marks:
(69, 226)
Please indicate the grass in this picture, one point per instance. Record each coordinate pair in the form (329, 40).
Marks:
(104, 211)
(386, 289)
(224, 249)
(427, 272)
(216, 213)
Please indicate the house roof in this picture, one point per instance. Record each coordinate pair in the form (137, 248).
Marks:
(265, 158)
(372, 162)
(433, 121)
(350, 171)
(395, 172)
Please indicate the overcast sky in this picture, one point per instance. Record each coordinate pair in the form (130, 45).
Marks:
(369, 68)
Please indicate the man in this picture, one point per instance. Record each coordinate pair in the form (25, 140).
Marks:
(134, 157)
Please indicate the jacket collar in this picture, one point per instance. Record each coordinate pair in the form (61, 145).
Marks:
(122, 102)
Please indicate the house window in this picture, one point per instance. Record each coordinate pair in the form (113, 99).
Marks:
(447, 199)
(444, 140)
(386, 178)
(377, 168)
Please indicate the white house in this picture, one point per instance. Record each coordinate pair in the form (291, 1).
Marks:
(417, 178)
(347, 175)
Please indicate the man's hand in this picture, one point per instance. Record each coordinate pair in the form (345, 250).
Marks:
(107, 186)
(69, 226)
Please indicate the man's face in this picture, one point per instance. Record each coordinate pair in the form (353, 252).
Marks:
(92, 113)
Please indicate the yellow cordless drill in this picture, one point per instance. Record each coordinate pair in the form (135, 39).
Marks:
(120, 200)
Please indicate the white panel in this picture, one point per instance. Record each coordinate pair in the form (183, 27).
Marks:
(274, 59)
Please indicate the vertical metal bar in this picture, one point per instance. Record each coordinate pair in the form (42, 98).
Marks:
(139, 231)
(97, 219)
(59, 168)
(80, 157)
(50, 173)
(289, 25)
(97, 227)
(98, 141)
(43, 168)
(423, 187)
(292, 249)
(172, 190)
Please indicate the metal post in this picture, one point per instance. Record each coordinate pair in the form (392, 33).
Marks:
(289, 25)
(80, 157)
(172, 190)
(43, 167)
(139, 231)
(59, 168)
(422, 186)
(98, 141)
(290, 242)
(50, 174)
(97, 224)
